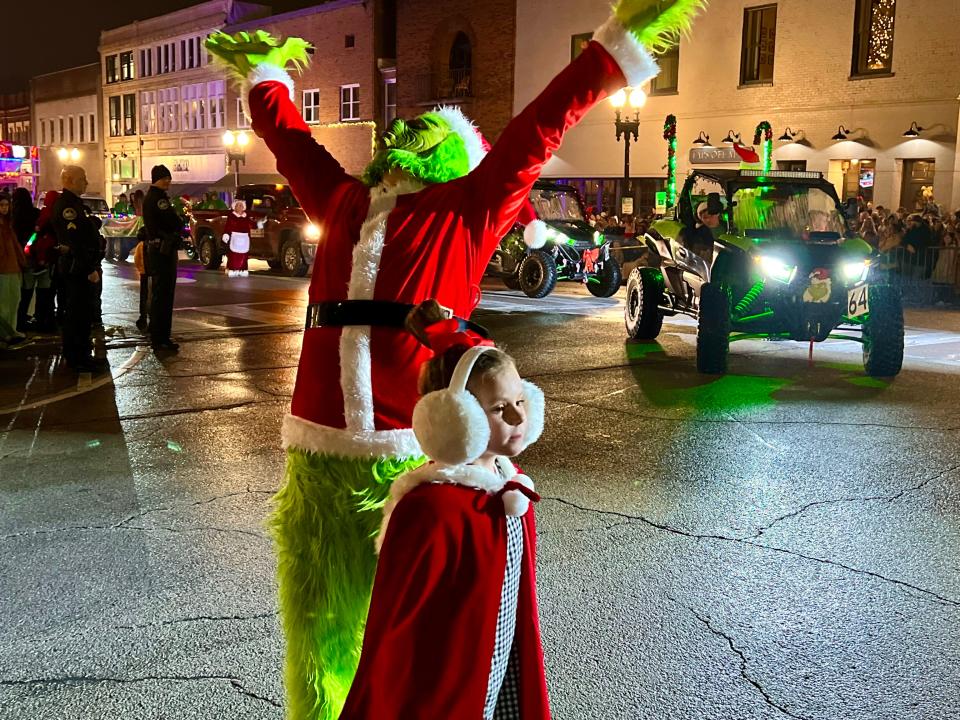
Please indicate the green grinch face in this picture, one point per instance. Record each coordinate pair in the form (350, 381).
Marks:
(426, 147)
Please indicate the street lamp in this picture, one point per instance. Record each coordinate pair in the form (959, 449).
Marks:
(236, 145)
(627, 128)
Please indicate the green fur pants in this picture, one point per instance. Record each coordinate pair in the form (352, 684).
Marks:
(325, 518)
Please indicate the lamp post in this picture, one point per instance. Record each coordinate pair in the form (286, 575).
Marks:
(236, 146)
(629, 128)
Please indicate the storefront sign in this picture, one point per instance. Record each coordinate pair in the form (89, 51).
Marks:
(661, 206)
(712, 155)
(626, 206)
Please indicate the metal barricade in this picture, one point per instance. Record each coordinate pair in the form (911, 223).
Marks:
(926, 277)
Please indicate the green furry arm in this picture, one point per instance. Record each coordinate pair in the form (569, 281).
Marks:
(657, 24)
(242, 53)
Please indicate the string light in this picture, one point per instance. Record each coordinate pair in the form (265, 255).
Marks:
(670, 135)
(880, 47)
(765, 132)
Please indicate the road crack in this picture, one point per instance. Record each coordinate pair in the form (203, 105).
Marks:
(198, 618)
(235, 683)
(743, 663)
(761, 546)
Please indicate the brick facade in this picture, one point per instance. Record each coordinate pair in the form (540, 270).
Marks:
(426, 30)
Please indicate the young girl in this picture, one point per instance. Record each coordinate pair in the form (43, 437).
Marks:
(236, 231)
(453, 629)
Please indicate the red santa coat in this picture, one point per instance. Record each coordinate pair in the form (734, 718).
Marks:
(356, 386)
(431, 629)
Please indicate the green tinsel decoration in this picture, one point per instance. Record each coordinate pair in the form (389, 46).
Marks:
(670, 135)
(764, 130)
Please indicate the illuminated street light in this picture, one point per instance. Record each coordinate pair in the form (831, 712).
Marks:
(629, 128)
(75, 154)
(235, 144)
(63, 154)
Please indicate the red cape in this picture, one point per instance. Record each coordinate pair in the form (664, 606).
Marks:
(433, 615)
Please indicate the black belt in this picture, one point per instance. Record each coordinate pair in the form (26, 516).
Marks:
(378, 313)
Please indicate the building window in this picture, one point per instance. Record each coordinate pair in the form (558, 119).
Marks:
(81, 127)
(169, 107)
(194, 107)
(242, 120)
(62, 136)
(53, 139)
(217, 103)
(43, 132)
(126, 65)
(92, 127)
(578, 43)
(130, 114)
(148, 112)
(461, 66)
(70, 127)
(146, 62)
(759, 45)
(389, 101)
(191, 58)
(114, 107)
(311, 106)
(349, 102)
(349, 41)
(667, 81)
(113, 68)
(166, 58)
(873, 37)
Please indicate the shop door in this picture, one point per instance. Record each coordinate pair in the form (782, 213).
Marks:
(916, 174)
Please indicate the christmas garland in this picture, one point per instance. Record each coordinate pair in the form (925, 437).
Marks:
(764, 129)
(670, 135)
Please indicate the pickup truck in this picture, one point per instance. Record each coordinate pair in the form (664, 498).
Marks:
(284, 236)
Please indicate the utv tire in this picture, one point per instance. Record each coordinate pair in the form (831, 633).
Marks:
(713, 330)
(609, 279)
(511, 281)
(208, 252)
(291, 259)
(883, 332)
(538, 274)
(642, 315)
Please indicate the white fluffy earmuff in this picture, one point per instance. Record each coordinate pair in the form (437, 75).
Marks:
(450, 425)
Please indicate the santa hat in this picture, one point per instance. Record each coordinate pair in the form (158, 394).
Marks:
(747, 155)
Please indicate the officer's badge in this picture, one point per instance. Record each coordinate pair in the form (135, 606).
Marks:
(163, 204)
(69, 214)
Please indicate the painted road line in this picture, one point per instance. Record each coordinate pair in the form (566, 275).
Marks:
(82, 387)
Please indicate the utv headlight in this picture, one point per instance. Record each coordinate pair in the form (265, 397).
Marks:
(777, 269)
(855, 272)
(311, 232)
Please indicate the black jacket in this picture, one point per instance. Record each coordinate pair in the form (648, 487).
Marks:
(159, 217)
(78, 231)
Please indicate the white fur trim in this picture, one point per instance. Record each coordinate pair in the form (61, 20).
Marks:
(472, 476)
(263, 72)
(464, 127)
(635, 61)
(535, 234)
(451, 427)
(310, 436)
(534, 400)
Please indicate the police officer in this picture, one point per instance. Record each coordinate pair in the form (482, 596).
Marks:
(164, 231)
(79, 238)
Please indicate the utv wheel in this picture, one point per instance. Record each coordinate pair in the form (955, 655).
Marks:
(642, 314)
(291, 260)
(511, 281)
(208, 253)
(609, 278)
(538, 274)
(713, 331)
(883, 332)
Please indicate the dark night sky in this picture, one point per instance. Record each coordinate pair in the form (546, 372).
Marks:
(40, 37)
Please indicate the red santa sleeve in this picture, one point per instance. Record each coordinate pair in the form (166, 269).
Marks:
(314, 174)
(504, 178)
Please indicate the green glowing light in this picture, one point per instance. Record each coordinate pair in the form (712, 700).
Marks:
(174, 446)
(93, 444)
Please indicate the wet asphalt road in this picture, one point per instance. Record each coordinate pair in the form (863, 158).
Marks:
(781, 542)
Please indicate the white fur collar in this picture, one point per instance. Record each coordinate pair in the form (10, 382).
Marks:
(472, 476)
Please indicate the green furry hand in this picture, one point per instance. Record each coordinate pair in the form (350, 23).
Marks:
(657, 24)
(243, 52)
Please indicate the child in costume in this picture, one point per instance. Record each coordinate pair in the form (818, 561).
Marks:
(423, 223)
(236, 232)
(453, 629)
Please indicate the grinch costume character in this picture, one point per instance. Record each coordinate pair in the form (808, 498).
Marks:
(423, 223)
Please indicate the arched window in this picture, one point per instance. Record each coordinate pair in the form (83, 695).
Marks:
(461, 64)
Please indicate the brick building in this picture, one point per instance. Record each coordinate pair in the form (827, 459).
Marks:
(872, 66)
(66, 117)
(341, 94)
(15, 118)
(163, 102)
(457, 53)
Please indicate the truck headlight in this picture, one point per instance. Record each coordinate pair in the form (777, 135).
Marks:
(777, 269)
(855, 272)
(311, 232)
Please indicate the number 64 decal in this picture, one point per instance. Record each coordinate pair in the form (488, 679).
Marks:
(858, 301)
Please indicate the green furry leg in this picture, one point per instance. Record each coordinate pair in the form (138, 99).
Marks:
(326, 516)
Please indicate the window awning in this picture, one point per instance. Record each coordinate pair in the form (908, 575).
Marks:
(230, 181)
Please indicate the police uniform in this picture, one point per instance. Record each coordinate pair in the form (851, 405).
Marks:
(164, 229)
(76, 230)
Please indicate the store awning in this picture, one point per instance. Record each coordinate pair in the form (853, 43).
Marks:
(230, 181)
